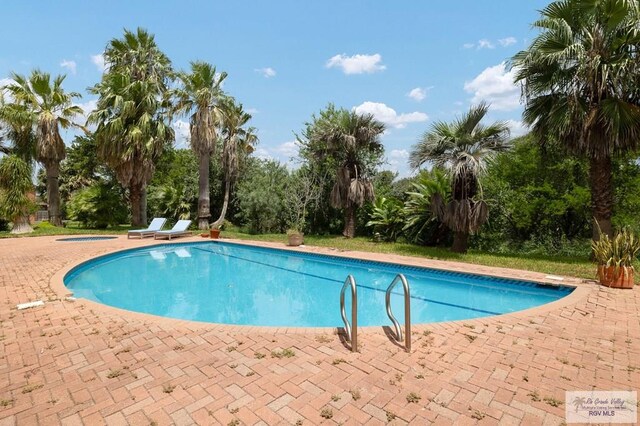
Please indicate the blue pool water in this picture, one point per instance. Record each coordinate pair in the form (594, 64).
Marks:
(235, 284)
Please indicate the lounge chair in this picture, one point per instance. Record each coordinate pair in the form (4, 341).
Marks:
(178, 230)
(155, 225)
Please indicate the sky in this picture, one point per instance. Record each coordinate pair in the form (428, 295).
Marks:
(410, 63)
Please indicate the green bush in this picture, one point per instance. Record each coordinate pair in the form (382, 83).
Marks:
(261, 198)
(422, 225)
(98, 206)
(45, 224)
(387, 218)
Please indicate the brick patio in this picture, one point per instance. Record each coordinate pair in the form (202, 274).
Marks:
(77, 362)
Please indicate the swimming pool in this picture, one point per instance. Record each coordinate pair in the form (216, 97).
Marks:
(236, 284)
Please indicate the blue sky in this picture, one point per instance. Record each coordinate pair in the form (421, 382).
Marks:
(410, 63)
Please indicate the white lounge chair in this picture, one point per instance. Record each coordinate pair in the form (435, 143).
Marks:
(155, 225)
(178, 230)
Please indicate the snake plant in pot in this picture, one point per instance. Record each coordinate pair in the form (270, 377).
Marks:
(615, 257)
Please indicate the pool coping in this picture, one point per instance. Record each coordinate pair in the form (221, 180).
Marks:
(582, 289)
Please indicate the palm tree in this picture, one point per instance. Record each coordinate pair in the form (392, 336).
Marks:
(236, 140)
(132, 113)
(49, 107)
(422, 224)
(351, 141)
(17, 127)
(199, 97)
(580, 84)
(462, 148)
(15, 185)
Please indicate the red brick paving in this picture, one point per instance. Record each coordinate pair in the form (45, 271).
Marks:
(80, 363)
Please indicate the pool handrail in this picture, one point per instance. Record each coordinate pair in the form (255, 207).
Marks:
(407, 311)
(350, 329)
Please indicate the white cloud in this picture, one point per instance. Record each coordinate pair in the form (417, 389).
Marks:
(397, 160)
(285, 153)
(252, 111)
(87, 108)
(417, 94)
(357, 64)
(262, 154)
(496, 86)
(389, 116)
(488, 44)
(98, 61)
(181, 128)
(485, 44)
(518, 128)
(70, 65)
(287, 149)
(267, 72)
(508, 41)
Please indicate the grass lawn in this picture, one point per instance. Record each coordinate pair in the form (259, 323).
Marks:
(71, 229)
(556, 265)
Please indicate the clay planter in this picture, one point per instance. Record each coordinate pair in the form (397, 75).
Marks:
(609, 278)
(296, 239)
(205, 235)
(214, 233)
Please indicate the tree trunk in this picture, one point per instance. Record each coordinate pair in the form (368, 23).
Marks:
(204, 211)
(53, 192)
(600, 176)
(143, 205)
(349, 222)
(135, 198)
(460, 242)
(21, 225)
(225, 204)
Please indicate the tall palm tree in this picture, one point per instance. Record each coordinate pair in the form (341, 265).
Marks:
(352, 142)
(16, 131)
(49, 108)
(462, 148)
(236, 140)
(580, 84)
(199, 98)
(132, 113)
(15, 185)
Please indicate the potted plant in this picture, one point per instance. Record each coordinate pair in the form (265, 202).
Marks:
(302, 191)
(214, 232)
(615, 257)
(295, 237)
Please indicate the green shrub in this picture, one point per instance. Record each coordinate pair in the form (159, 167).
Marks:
(45, 224)
(387, 218)
(422, 225)
(261, 197)
(98, 206)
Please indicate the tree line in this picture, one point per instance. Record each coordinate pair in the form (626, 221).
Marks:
(576, 170)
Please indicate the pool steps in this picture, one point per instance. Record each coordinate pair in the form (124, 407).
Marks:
(407, 311)
(351, 329)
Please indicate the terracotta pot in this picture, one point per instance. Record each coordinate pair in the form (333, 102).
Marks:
(205, 235)
(215, 233)
(296, 239)
(609, 278)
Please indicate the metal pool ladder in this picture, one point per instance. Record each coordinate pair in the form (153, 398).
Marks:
(351, 329)
(407, 311)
